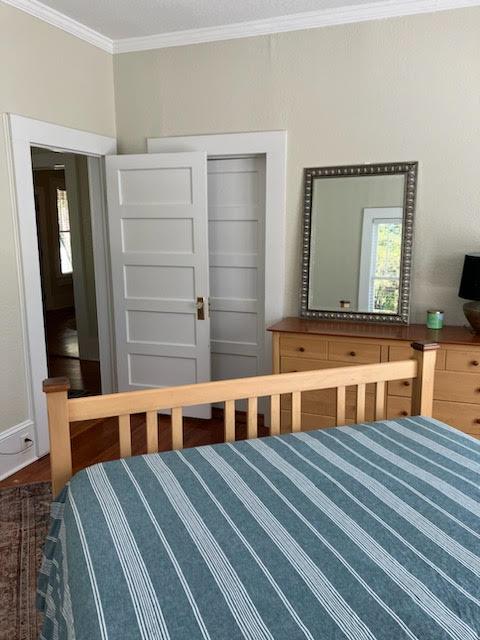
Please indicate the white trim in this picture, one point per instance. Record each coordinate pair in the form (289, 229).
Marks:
(10, 439)
(293, 22)
(279, 24)
(103, 276)
(274, 145)
(60, 20)
(22, 133)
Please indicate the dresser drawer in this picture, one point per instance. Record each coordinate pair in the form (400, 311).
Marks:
(354, 352)
(400, 388)
(398, 407)
(457, 387)
(396, 354)
(465, 417)
(463, 361)
(404, 387)
(303, 346)
(325, 403)
(289, 365)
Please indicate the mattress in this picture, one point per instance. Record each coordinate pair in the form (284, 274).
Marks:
(365, 532)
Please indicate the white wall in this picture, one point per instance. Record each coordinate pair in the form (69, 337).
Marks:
(50, 75)
(399, 89)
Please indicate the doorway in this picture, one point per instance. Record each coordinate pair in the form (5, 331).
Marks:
(65, 246)
(270, 149)
(24, 133)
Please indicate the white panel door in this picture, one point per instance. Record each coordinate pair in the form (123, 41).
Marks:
(157, 212)
(236, 216)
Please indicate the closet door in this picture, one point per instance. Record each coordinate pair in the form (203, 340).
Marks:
(157, 213)
(236, 211)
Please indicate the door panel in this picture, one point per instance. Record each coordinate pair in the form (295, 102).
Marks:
(157, 211)
(236, 210)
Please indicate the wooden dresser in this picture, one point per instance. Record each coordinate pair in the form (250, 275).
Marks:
(299, 345)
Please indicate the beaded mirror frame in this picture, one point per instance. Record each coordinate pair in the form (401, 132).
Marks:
(410, 171)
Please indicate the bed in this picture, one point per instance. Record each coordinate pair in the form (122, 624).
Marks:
(366, 531)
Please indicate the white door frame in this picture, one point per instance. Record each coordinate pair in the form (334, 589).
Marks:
(23, 133)
(273, 144)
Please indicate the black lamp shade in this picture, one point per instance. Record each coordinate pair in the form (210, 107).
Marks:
(470, 282)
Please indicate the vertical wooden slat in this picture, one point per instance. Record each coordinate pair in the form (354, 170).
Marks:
(125, 436)
(274, 415)
(422, 391)
(229, 421)
(252, 421)
(177, 428)
(59, 430)
(152, 432)
(380, 401)
(296, 411)
(360, 415)
(341, 398)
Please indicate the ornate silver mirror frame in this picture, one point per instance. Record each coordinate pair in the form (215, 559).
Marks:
(409, 170)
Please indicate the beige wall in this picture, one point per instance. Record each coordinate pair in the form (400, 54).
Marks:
(400, 89)
(50, 75)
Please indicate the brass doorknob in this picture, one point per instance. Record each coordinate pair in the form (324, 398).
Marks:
(475, 363)
(406, 383)
(353, 353)
(302, 349)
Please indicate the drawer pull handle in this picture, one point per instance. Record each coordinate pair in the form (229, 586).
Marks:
(404, 413)
(301, 349)
(406, 383)
(353, 353)
(475, 363)
(477, 421)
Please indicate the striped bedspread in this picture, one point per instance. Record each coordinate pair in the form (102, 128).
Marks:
(368, 532)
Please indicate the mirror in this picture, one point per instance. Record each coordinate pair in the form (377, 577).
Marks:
(358, 223)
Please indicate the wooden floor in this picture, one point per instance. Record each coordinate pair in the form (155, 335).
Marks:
(97, 440)
(63, 354)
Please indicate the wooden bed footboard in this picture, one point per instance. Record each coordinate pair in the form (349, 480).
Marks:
(62, 411)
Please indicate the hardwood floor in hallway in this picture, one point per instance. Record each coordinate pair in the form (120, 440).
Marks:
(63, 354)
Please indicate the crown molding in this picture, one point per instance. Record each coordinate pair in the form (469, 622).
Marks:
(294, 22)
(60, 20)
(281, 24)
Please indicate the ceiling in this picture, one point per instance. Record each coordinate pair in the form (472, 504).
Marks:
(133, 25)
(119, 19)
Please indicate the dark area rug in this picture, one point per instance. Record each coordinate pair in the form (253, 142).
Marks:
(24, 518)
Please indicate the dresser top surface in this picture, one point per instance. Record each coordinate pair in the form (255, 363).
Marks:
(407, 332)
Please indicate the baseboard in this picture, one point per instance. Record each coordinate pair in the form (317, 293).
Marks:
(11, 440)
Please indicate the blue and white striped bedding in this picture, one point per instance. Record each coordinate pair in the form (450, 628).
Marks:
(369, 532)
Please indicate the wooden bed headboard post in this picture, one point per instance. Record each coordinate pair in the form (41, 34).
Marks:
(422, 391)
(59, 429)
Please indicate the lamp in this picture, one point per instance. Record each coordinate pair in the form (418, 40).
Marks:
(470, 289)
